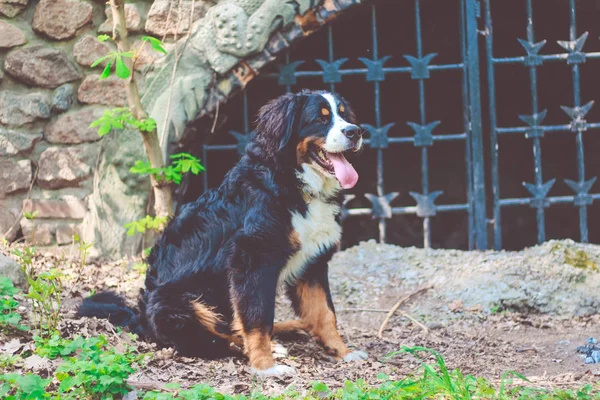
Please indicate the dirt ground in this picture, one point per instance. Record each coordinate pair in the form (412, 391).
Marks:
(477, 340)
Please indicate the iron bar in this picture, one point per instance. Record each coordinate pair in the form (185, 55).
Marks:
(466, 120)
(537, 147)
(476, 127)
(583, 228)
(494, 154)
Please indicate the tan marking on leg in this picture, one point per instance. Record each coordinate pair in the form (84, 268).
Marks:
(320, 320)
(236, 329)
(290, 326)
(210, 320)
(257, 346)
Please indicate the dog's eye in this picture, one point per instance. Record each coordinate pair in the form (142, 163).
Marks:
(342, 109)
(324, 112)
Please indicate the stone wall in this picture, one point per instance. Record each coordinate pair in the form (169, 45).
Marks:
(54, 165)
(51, 163)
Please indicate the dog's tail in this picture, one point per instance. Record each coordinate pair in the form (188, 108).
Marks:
(111, 306)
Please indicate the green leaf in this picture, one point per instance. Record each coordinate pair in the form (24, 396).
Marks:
(103, 38)
(106, 72)
(172, 385)
(99, 60)
(104, 129)
(31, 383)
(122, 70)
(156, 44)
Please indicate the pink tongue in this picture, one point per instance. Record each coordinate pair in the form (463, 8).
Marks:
(344, 171)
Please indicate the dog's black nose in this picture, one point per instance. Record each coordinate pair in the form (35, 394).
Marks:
(352, 132)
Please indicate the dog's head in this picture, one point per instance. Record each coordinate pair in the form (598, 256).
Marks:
(313, 130)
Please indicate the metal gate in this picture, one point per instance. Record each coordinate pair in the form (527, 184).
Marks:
(480, 128)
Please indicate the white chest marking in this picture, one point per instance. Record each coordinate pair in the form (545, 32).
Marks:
(317, 231)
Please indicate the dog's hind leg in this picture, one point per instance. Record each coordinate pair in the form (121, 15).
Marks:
(289, 326)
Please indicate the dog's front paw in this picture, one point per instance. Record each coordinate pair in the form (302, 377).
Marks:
(276, 370)
(278, 350)
(356, 355)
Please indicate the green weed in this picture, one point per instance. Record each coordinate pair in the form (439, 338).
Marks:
(9, 317)
(45, 290)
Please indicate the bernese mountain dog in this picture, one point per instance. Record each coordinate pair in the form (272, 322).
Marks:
(273, 223)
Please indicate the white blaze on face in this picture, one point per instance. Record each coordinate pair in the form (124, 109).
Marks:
(336, 141)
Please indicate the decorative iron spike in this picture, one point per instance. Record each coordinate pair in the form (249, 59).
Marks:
(420, 66)
(287, 72)
(575, 49)
(582, 189)
(331, 71)
(347, 199)
(375, 68)
(423, 133)
(378, 137)
(577, 114)
(380, 205)
(242, 141)
(532, 49)
(539, 193)
(534, 121)
(426, 203)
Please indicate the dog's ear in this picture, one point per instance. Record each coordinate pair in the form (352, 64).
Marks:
(276, 122)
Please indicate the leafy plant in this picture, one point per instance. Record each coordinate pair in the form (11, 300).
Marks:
(146, 223)
(30, 386)
(182, 163)
(54, 346)
(83, 248)
(8, 305)
(44, 291)
(119, 118)
(98, 370)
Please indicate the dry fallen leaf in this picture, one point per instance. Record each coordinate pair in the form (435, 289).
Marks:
(12, 347)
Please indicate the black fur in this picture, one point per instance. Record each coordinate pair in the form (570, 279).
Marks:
(232, 242)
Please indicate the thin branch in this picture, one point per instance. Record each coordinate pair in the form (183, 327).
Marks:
(399, 304)
(164, 132)
(375, 310)
(414, 320)
(148, 385)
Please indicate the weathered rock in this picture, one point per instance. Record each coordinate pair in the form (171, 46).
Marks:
(109, 91)
(10, 208)
(37, 233)
(10, 8)
(61, 167)
(88, 49)
(60, 19)
(14, 142)
(41, 66)
(63, 98)
(10, 36)
(10, 268)
(65, 233)
(66, 208)
(14, 176)
(133, 20)
(126, 194)
(160, 23)
(74, 127)
(147, 56)
(18, 109)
